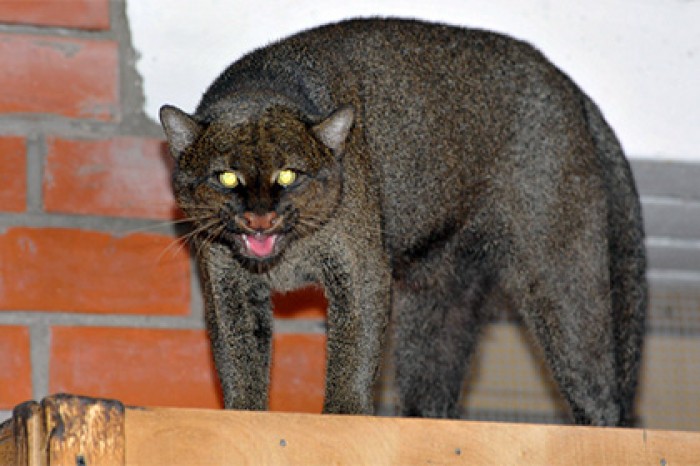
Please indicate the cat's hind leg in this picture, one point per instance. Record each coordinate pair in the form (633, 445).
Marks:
(564, 300)
(437, 322)
(580, 352)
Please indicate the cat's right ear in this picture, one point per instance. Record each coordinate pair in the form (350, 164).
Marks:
(180, 129)
(334, 130)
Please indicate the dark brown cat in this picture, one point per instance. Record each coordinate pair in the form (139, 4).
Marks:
(424, 167)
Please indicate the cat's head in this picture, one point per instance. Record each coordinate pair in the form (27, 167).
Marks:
(259, 183)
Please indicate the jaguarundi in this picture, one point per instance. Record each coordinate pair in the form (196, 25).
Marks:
(413, 168)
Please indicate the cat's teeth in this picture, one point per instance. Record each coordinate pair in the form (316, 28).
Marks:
(260, 245)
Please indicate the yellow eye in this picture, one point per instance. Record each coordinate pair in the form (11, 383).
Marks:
(228, 179)
(286, 177)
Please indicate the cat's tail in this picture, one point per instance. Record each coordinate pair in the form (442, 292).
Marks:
(627, 258)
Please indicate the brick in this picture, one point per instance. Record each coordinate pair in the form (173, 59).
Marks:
(122, 177)
(306, 303)
(13, 174)
(68, 270)
(298, 373)
(15, 366)
(143, 367)
(156, 367)
(81, 14)
(70, 77)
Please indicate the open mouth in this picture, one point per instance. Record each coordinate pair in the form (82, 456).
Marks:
(260, 245)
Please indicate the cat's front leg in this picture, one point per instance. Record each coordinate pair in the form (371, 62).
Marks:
(239, 320)
(358, 291)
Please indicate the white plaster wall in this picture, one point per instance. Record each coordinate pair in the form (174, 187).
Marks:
(639, 59)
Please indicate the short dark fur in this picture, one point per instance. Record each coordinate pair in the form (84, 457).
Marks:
(437, 165)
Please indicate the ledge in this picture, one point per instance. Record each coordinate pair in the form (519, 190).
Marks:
(65, 429)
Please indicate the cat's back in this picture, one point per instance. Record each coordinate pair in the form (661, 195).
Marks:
(366, 60)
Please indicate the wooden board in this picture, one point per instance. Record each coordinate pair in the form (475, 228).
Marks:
(64, 430)
(69, 430)
(181, 436)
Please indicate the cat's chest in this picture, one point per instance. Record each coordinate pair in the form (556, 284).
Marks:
(300, 265)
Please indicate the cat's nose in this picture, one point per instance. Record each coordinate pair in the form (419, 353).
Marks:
(260, 222)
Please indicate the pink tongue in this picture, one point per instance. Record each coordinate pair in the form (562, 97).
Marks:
(261, 245)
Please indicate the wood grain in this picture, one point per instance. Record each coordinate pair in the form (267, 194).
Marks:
(216, 438)
(83, 431)
(22, 437)
(68, 430)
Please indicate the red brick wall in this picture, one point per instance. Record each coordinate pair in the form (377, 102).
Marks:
(97, 297)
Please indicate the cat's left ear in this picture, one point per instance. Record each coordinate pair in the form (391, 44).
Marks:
(180, 129)
(334, 130)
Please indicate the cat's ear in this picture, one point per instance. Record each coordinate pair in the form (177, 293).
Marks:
(334, 130)
(180, 129)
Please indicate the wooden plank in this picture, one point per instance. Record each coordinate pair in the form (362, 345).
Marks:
(64, 430)
(8, 452)
(185, 436)
(30, 434)
(83, 431)
(22, 437)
